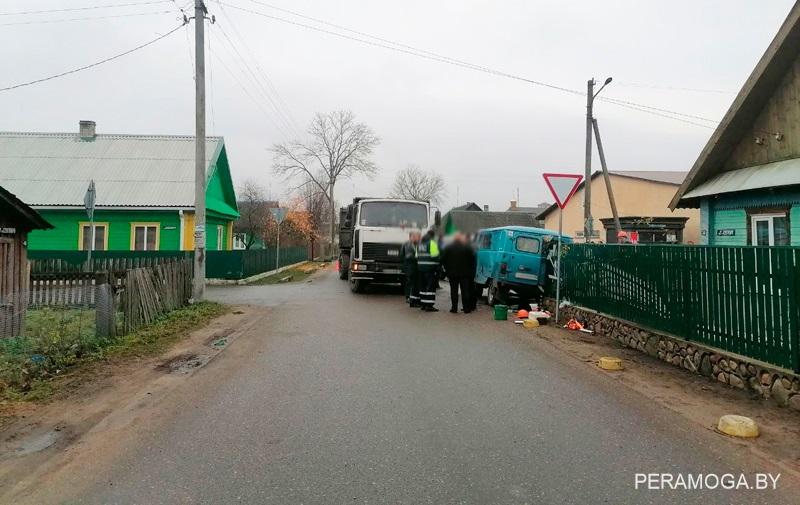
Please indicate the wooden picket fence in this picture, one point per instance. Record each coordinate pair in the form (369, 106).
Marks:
(151, 292)
(61, 288)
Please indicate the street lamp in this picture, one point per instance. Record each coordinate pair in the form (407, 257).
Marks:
(588, 223)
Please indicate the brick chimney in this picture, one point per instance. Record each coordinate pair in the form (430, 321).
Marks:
(486, 208)
(513, 205)
(86, 130)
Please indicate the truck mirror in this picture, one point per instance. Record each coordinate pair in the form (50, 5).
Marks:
(437, 218)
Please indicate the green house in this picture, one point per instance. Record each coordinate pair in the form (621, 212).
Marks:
(746, 181)
(144, 189)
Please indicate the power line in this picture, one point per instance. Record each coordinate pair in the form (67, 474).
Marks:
(286, 110)
(88, 18)
(87, 8)
(246, 92)
(91, 65)
(407, 49)
(259, 85)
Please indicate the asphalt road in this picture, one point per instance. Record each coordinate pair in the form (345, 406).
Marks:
(358, 399)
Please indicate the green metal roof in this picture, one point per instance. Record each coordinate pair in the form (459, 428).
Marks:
(771, 175)
(54, 170)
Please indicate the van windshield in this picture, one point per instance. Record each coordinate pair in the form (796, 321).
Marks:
(394, 214)
(528, 245)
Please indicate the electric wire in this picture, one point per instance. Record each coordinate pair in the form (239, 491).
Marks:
(281, 128)
(407, 49)
(283, 105)
(92, 65)
(87, 8)
(287, 126)
(88, 18)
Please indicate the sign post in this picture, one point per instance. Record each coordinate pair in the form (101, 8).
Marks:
(88, 202)
(278, 214)
(562, 186)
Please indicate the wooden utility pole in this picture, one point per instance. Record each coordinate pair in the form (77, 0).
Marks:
(587, 181)
(606, 177)
(199, 282)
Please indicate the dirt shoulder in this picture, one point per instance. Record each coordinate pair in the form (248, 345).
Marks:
(694, 397)
(92, 416)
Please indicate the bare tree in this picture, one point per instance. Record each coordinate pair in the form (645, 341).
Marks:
(412, 183)
(339, 147)
(253, 212)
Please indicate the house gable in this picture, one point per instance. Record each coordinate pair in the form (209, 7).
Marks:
(220, 194)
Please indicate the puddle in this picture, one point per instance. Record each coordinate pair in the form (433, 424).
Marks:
(219, 343)
(37, 443)
(184, 363)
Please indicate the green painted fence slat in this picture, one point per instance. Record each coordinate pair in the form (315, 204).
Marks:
(744, 300)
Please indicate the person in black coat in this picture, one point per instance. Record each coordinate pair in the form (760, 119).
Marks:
(458, 260)
(409, 255)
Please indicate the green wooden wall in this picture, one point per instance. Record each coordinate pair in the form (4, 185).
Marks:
(735, 219)
(64, 237)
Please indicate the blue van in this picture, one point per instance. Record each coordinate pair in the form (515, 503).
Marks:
(514, 259)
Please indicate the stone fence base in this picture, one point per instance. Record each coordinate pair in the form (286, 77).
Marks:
(782, 386)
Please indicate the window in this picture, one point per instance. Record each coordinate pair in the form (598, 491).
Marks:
(219, 237)
(239, 241)
(144, 236)
(391, 214)
(100, 236)
(769, 229)
(527, 244)
(485, 241)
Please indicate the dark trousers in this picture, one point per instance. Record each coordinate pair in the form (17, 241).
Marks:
(466, 292)
(427, 288)
(412, 287)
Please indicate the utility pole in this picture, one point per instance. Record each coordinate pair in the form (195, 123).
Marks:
(587, 181)
(199, 284)
(606, 177)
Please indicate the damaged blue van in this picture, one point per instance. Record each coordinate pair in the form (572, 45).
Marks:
(515, 260)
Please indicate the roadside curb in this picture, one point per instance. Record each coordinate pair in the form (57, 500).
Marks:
(252, 278)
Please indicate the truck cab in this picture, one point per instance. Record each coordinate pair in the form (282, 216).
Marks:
(371, 234)
(514, 259)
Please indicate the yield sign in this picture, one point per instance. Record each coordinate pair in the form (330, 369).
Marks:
(563, 186)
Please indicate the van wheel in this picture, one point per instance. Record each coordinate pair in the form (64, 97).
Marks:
(495, 294)
(344, 266)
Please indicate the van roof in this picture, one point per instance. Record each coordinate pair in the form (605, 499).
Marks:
(527, 229)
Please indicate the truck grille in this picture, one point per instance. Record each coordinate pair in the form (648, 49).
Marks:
(381, 252)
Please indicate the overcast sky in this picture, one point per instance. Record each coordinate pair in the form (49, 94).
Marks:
(487, 135)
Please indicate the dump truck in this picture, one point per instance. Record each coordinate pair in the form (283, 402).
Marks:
(371, 234)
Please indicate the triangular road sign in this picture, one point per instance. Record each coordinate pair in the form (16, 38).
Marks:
(563, 186)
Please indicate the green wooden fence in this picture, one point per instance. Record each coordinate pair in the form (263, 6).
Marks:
(219, 264)
(740, 299)
(241, 264)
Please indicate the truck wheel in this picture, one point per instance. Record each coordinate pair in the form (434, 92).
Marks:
(357, 286)
(344, 266)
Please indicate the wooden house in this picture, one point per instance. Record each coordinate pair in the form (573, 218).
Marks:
(16, 220)
(144, 189)
(746, 181)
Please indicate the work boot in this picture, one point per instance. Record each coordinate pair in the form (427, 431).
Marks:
(454, 310)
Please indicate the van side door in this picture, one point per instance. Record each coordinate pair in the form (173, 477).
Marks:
(485, 257)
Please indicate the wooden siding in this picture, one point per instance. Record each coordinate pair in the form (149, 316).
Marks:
(726, 220)
(781, 114)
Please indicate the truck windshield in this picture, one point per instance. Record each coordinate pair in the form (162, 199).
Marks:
(394, 214)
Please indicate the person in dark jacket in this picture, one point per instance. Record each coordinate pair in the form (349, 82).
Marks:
(427, 266)
(474, 291)
(409, 255)
(458, 260)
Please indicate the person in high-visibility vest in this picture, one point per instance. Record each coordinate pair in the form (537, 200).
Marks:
(410, 282)
(428, 266)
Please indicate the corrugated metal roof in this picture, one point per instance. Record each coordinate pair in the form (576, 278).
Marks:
(771, 175)
(54, 169)
(666, 176)
(469, 221)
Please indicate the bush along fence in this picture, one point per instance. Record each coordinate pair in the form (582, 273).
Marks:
(726, 312)
(237, 265)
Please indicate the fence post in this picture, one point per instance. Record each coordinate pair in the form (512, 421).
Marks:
(104, 305)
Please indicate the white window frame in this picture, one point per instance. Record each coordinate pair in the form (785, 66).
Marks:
(239, 241)
(769, 218)
(220, 233)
